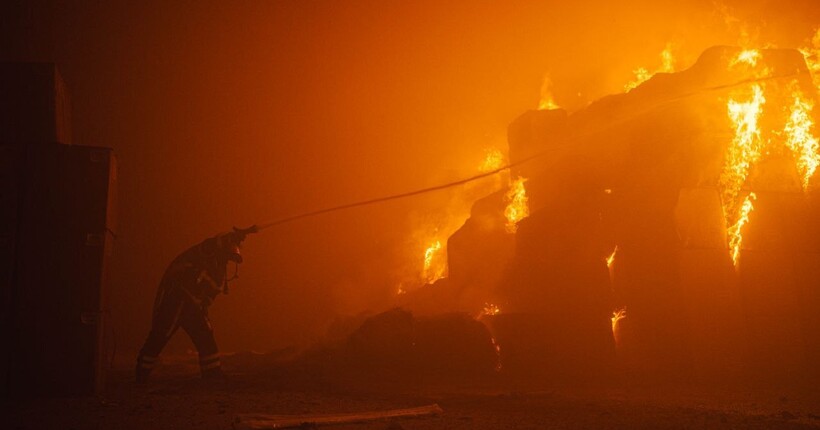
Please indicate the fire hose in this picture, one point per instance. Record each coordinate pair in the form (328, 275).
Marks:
(394, 196)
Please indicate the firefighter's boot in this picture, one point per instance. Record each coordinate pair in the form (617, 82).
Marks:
(211, 366)
(144, 366)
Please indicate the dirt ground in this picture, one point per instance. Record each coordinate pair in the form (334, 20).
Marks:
(177, 398)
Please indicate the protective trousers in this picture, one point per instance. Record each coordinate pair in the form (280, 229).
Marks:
(175, 310)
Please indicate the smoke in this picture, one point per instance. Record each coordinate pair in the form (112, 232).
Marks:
(233, 113)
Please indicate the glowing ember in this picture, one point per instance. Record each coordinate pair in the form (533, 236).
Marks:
(494, 160)
(799, 138)
(743, 152)
(435, 263)
(617, 316)
(735, 231)
(642, 74)
(497, 348)
(491, 309)
(547, 102)
(611, 258)
(517, 208)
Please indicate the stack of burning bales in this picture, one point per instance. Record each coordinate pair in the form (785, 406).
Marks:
(670, 231)
(688, 201)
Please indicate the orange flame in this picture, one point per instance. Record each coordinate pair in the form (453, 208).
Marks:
(747, 146)
(799, 138)
(617, 316)
(743, 152)
(611, 258)
(747, 56)
(642, 74)
(517, 207)
(435, 262)
(547, 101)
(735, 236)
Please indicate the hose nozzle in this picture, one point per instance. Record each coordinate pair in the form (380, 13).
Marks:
(241, 233)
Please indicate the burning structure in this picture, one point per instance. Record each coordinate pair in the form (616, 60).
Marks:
(689, 199)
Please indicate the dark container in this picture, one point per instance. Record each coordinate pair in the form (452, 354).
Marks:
(34, 105)
(58, 288)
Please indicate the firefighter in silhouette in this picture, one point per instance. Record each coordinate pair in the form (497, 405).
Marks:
(187, 289)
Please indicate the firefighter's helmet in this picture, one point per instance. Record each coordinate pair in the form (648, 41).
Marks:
(228, 245)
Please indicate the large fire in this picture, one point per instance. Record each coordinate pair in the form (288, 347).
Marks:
(434, 240)
(748, 146)
(517, 207)
(766, 119)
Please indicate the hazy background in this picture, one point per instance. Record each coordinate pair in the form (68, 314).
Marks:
(237, 112)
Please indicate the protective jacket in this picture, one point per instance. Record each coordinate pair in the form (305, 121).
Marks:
(198, 273)
(188, 287)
